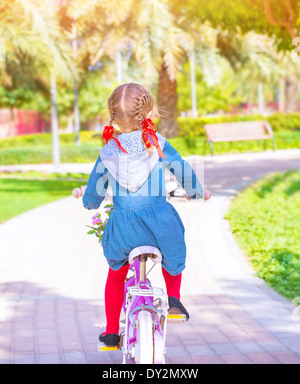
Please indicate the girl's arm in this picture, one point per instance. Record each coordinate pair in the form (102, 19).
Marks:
(96, 187)
(184, 174)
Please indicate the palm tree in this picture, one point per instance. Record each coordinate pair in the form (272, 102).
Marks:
(160, 46)
(35, 50)
(76, 88)
(255, 60)
(151, 31)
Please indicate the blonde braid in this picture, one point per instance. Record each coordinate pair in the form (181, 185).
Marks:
(143, 100)
(111, 111)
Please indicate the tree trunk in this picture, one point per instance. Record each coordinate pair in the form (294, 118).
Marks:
(54, 125)
(291, 93)
(76, 113)
(281, 96)
(167, 104)
(261, 103)
(76, 90)
(193, 84)
(289, 22)
(119, 68)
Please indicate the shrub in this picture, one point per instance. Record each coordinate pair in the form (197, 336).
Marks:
(279, 122)
(265, 221)
(41, 139)
(188, 127)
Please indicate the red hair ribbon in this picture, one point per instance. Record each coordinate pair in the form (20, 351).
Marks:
(108, 132)
(149, 129)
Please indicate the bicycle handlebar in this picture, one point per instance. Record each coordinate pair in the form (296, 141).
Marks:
(172, 191)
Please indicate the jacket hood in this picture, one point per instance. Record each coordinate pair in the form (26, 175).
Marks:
(130, 171)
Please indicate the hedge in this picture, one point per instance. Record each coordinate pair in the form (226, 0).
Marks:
(188, 127)
(187, 146)
(42, 139)
(279, 122)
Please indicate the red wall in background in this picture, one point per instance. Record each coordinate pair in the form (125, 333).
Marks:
(18, 122)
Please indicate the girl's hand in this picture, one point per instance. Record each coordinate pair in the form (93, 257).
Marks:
(79, 192)
(76, 193)
(207, 195)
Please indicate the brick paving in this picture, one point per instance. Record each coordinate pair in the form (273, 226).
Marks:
(52, 278)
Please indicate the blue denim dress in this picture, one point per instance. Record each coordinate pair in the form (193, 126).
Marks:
(141, 215)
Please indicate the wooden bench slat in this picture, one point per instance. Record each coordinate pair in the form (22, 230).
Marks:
(246, 138)
(239, 131)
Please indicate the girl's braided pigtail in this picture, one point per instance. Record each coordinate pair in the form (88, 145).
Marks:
(142, 102)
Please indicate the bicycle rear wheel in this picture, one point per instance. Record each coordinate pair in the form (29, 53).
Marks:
(144, 343)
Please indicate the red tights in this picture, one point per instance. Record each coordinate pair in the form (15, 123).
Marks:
(114, 294)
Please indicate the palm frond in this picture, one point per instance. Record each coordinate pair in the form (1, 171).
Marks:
(31, 27)
(157, 39)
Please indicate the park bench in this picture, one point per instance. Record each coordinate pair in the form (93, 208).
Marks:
(241, 131)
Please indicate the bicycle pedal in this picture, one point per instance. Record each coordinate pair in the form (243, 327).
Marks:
(104, 348)
(176, 318)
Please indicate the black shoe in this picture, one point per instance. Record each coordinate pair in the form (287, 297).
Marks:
(110, 340)
(176, 307)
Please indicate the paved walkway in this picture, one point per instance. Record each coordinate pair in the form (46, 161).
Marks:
(52, 278)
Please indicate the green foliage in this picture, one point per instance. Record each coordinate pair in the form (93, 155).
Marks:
(197, 145)
(241, 17)
(35, 44)
(36, 149)
(24, 98)
(278, 122)
(70, 153)
(46, 139)
(36, 175)
(93, 97)
(265, 221)
(100, 222)
(210, 98)
(281, 122)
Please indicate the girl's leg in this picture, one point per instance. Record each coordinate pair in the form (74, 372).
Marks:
(114, 296)
(173, 284)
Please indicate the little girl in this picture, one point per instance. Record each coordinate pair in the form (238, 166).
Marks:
(134, 163)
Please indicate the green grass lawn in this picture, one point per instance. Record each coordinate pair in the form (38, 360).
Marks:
(265, 219)
(36, 149)
(20, 193)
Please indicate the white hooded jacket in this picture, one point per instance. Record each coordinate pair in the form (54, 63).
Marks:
(130, 170)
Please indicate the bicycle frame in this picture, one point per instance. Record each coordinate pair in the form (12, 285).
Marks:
(141, 296)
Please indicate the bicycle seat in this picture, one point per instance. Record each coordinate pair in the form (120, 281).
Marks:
(152, 252)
